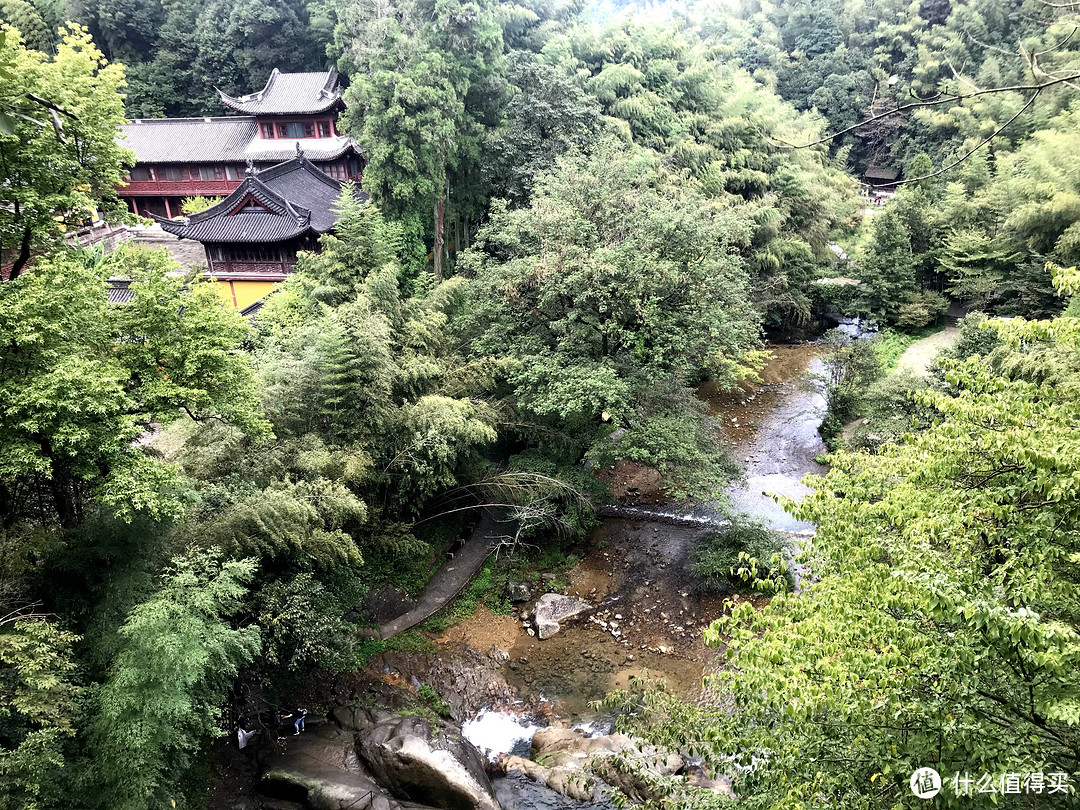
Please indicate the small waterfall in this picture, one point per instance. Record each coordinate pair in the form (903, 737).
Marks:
(698, 517)
(495, 732)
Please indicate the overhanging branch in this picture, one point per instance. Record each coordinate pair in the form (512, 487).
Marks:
(949, 98)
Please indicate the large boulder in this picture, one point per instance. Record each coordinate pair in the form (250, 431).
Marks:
(562, 746)
(574, 782)
(422, 760)
(695, 775)
(319, 770)
(520, 592)
(554, 608)
(582, 767)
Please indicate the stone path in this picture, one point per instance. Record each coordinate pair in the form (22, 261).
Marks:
(454, 574)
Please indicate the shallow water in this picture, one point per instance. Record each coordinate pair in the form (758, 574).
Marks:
(773, 430)
(636, 572)
(500, 732)
(782, 451)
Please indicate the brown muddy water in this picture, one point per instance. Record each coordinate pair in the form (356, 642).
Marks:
(647, 620)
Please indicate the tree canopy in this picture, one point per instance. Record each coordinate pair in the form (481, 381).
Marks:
(60, 156)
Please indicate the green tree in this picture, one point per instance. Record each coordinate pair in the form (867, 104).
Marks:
(977, 264)
(57, 174)
(851, 366)
(546, 116)
(617, 277)
(81, 379)
(129, 28)
(38, 707)
(162, 699)
(662, 87)
(193, 205)
(886, 271)
(302, 628)
(22, 16)
(420, 98)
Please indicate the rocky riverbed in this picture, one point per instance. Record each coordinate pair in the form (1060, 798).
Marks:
(643, 616)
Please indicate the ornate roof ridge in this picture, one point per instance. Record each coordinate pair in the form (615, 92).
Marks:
(205, 119)
(223, 222)
(287, 166)
(303, 97)
(256, 96)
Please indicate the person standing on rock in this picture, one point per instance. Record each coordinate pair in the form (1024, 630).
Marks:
(298, 723)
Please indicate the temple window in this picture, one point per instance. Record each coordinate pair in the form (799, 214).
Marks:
(335, 170)
(296, 129)
(174, 173)
(245, 253)
(267, 130)
(324, 129)
(142, 174)
(211, 173)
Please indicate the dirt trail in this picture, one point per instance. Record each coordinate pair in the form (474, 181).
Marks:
(918, 357)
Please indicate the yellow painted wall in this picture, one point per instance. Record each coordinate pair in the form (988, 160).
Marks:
(242, 293)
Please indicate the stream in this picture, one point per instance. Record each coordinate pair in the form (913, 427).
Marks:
(647, 616)
(773, 430)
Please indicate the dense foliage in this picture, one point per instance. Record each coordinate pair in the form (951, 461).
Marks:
(58, 149)
(578, 216)
(940, 626)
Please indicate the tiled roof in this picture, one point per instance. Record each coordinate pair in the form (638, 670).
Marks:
(220, 140)
(252, 309)
(290, 94)
(261, 149)
(880, 173)
(190, 140)
(296, 197)
(119, 290)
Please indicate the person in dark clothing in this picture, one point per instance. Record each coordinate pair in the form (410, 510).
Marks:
(298, 723)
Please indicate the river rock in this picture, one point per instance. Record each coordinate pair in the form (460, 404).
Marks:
(467, 681)
(572, 782)
(581, 767)
(423, 760)
(557, 746)
(520, 592)
(696, 776)
(319, 770)
(554, 608)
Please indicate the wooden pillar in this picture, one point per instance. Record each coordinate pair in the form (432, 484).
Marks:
(168, 210)
(135, 205)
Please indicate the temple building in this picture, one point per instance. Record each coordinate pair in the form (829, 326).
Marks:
(187, 157)
(251, 237)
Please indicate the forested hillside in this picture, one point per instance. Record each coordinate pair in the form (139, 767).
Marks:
(588, 225)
